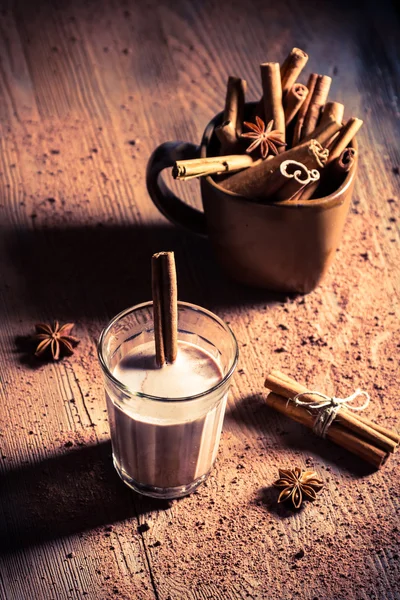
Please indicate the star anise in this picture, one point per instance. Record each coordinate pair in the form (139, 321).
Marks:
(263, 136)
(58, 340)
(297, 484)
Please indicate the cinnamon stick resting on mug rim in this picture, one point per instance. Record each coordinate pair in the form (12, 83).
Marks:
(348, 429)
(165, 307)
(212, 165)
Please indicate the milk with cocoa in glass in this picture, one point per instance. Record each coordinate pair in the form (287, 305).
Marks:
(182, 445)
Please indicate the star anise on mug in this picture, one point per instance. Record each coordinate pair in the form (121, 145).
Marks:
(56, 340)
(298, 485)
(264, 136)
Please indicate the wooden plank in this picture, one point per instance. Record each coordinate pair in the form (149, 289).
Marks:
(87, 92)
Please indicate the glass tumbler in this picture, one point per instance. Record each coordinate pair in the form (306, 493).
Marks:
(165, 447)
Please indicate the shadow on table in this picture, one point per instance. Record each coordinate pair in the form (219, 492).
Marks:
(98, 270)
(288, 435)
(65, 495)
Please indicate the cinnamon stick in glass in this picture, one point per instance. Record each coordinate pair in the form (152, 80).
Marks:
(346, 134)
(291, 68)
(272, 97)
(367, 440)
(231, 128)
(318, 99)
(293, 101)
(312, 80)
(165, 307)
(212, 165)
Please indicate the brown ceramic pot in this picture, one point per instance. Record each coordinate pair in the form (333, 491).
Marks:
(286, 246)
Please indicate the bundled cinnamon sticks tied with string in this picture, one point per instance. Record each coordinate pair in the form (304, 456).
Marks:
(292, 145)
(338, 419)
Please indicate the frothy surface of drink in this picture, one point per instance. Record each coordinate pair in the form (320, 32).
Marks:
(195, 371)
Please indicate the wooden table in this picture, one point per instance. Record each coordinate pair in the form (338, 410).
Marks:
(88, 90)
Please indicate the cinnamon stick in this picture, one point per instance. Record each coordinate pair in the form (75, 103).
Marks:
(312, 80)
(346, 134)
(202, 167)
(165, 307)
(332, 110)
(336, 171)
(336, 433)
(392, 435)
(318, 99)
(345, 161)
(288, 179)
(332, 176)
(287, 387)
(294, 98)
(291, 68)
(324, 132)
(231, 128)
(272, 97)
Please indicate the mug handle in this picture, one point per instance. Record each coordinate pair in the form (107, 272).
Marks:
(172, 207)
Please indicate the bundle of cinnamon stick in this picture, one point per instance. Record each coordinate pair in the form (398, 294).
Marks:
(351, 430)
(292, 121)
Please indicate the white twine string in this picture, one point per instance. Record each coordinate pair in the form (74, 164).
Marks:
(328, 409)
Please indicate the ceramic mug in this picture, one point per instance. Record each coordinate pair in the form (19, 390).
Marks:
(286, 246)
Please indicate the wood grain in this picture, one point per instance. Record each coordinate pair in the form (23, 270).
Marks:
(87, 91)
